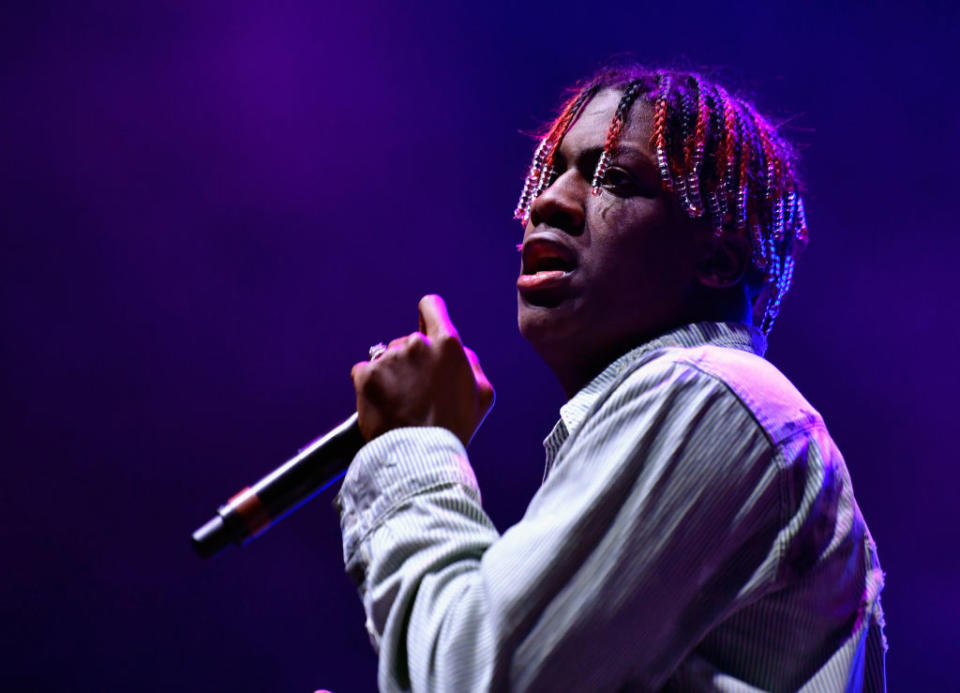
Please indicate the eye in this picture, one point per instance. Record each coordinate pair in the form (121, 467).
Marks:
(620, 182)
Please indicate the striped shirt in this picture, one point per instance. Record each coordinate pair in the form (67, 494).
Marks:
(696, 530)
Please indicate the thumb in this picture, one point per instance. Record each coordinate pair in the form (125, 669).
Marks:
(435, 321)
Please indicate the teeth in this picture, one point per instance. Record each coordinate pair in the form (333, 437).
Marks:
(542, 257)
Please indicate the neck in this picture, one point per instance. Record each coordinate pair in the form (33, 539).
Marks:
(574, 374)
(577, 366)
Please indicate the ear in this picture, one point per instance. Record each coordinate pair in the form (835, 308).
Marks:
(723, 259)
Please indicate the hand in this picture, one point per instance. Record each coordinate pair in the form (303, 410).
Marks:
(427, 378)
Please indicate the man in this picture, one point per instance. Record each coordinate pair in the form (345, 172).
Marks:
(696, 529)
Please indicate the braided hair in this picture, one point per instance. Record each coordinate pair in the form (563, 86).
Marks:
(721, 159)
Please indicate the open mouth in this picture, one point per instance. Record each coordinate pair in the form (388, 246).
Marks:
(547, 268)
(545, 256)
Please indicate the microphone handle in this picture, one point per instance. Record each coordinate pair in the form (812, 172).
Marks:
(255, 509)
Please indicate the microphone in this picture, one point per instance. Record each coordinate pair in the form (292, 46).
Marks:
(255, 509)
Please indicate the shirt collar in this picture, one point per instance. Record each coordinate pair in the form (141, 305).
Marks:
(725, 334)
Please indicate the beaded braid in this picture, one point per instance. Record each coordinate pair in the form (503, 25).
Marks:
(677, 164)
(530, 183)
(714, 152)
(726, 153)
(630, 95)
(540, 174)
(659, 131)
(556, 134)
(712, 146)
(694, 151)
(749, 153)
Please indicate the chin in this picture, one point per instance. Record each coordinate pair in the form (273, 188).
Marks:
(546, 326)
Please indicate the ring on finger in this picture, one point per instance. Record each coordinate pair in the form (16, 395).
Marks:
(377, 350)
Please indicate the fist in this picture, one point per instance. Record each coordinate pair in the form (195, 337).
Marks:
(428, 378)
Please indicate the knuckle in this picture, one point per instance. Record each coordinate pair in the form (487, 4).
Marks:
(370, 383)
(358, 371)
(447, 343)
(416, 342)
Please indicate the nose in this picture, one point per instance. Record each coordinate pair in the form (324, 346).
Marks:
(561, 205)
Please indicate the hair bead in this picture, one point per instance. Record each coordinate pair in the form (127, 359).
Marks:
(778, 232)
(659, 131)
(801, 232)
(600, 173)
(759, 249)
(742, 206)
(522, 211)
(699, 143)
(713, 209)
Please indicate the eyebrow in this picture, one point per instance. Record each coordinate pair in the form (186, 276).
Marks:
(638, 157)
(639, 160)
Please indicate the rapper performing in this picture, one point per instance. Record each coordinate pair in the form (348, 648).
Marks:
(696, 528)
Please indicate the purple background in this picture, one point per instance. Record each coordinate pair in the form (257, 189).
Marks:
(211, 210)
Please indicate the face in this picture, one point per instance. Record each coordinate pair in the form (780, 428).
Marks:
(601, 274)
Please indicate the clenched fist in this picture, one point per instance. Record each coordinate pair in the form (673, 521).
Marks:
(428, 378)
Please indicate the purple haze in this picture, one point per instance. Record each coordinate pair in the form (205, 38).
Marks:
(211, 210)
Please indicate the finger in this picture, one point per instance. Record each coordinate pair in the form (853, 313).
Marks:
(407, 341)
(358, 369)
(397, 343)
(435, 321)
(474, 361)
(484, 386)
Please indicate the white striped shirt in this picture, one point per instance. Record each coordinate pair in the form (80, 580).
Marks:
(696, 531)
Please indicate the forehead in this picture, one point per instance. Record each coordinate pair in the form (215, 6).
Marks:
(590, 128)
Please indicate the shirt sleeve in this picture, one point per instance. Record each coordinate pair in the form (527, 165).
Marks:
(659, 519)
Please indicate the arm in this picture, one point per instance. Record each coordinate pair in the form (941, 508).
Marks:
(656, 523)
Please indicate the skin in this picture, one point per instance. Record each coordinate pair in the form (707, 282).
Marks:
(642, 267)
(636, 267)
(428, 378)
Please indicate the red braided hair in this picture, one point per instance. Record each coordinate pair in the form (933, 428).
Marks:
(711, 147)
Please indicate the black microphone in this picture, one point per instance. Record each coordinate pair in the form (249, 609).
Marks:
(255, 509)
